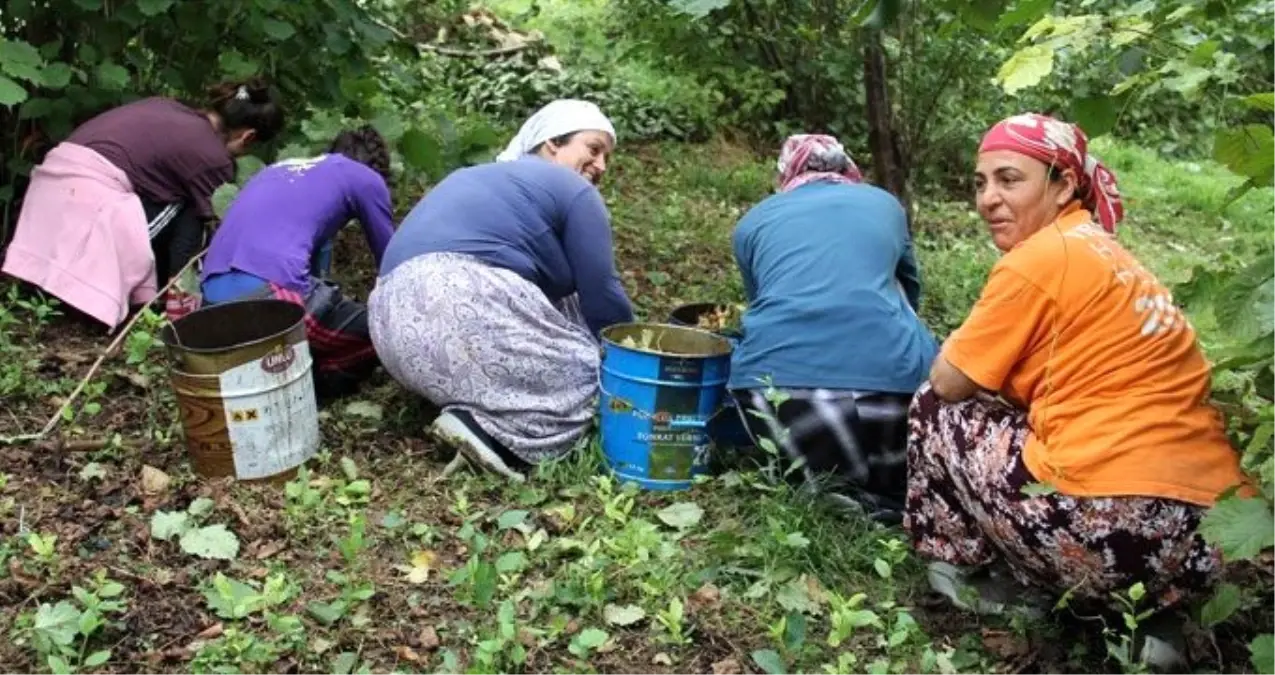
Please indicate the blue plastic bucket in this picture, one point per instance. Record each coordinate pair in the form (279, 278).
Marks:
(660, 385)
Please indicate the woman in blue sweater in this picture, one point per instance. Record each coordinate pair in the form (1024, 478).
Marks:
(493, 291)
(832, 349)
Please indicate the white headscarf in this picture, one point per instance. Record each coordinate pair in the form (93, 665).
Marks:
(559, 117)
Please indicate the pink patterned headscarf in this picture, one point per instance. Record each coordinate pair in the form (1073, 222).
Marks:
(1065, 146)
(806, 158)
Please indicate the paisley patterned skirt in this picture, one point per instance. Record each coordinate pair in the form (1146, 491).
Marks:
(966, 506)
(482, 339)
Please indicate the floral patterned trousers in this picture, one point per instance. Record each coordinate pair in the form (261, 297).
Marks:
(965, 506)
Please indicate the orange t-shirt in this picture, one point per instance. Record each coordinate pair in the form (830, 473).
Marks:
(1116, 388)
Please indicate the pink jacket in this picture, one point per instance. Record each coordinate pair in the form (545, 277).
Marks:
(82, 235)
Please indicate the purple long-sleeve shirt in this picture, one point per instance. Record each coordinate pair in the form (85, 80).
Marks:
(289, 209)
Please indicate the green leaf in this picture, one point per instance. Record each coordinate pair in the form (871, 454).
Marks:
(1244, 304)
(1262, 650)
(697, 9)
(154, 7)
(11, 93)
(1095, 114)
(235, 65)
(56, 75)
(1241, 527)
(883, 14)
(167, 524)
(1026, 68)
(58, 665)
(511, 519)
(213, 541)
(1248, 151)
(344, 663)
(982, 15)
(202, 506)
(422, 151)
(1264, 102)
(246, 167)
(56, 624)
(349, 468)
(112, 76)
(588, 640)
(365, 409)
(327, 613)
(681, 515)
(97, 658)
(20, 59)
(1220, 607)
(231, 598)
(222, 198)
(513, 561)
(1038, 489)
(1024, 12)
(769, 661)
(625, 615)
(35, 108)
(279, 30)
(794, 596)
(89, 5)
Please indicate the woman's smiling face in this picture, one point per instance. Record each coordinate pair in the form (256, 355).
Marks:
(1016, 196)
(585, 153)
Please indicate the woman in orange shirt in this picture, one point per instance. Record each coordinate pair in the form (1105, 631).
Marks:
(1074, 370)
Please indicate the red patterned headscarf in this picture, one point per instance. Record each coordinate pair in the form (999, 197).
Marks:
(1064, 146)
(806, 158)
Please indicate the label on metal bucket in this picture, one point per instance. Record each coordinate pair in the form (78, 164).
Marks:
(271, 415)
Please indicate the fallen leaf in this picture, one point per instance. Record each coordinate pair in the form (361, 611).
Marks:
(92, 470)
(429, 639)
(537, 539)
(815, 589)
(211, 632)
(269, 549)
(319, 645)
(707, 595)
(422, 564)
(407, 653)
(681, 515)
(212, 541)
(727, 666)
(625, 615)
(1004, 644)
(154, 481)
(136, 379)
(661, 659)
(365, 409)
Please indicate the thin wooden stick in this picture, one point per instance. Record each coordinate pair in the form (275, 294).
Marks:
(110, 349)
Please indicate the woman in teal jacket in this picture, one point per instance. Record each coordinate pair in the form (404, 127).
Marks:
(832, 347)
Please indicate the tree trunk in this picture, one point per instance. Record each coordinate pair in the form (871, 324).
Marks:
(889, 167)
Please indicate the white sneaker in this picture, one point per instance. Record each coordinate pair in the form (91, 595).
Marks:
(452, 430)
(981, 591)
(1163, 643)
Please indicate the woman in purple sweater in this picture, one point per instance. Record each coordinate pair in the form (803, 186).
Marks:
(282, 217)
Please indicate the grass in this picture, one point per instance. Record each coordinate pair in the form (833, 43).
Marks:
(369, 563)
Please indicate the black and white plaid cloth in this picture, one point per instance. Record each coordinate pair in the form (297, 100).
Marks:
(852, 442)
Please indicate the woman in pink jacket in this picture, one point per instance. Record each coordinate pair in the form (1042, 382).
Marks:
(121, 205)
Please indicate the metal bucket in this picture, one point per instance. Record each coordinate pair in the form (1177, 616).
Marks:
(660, 384)
(241, 371)
(728, 428)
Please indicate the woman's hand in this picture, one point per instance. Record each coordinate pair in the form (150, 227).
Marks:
(950, 384)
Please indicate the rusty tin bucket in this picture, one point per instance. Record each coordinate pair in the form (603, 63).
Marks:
(241, 372)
